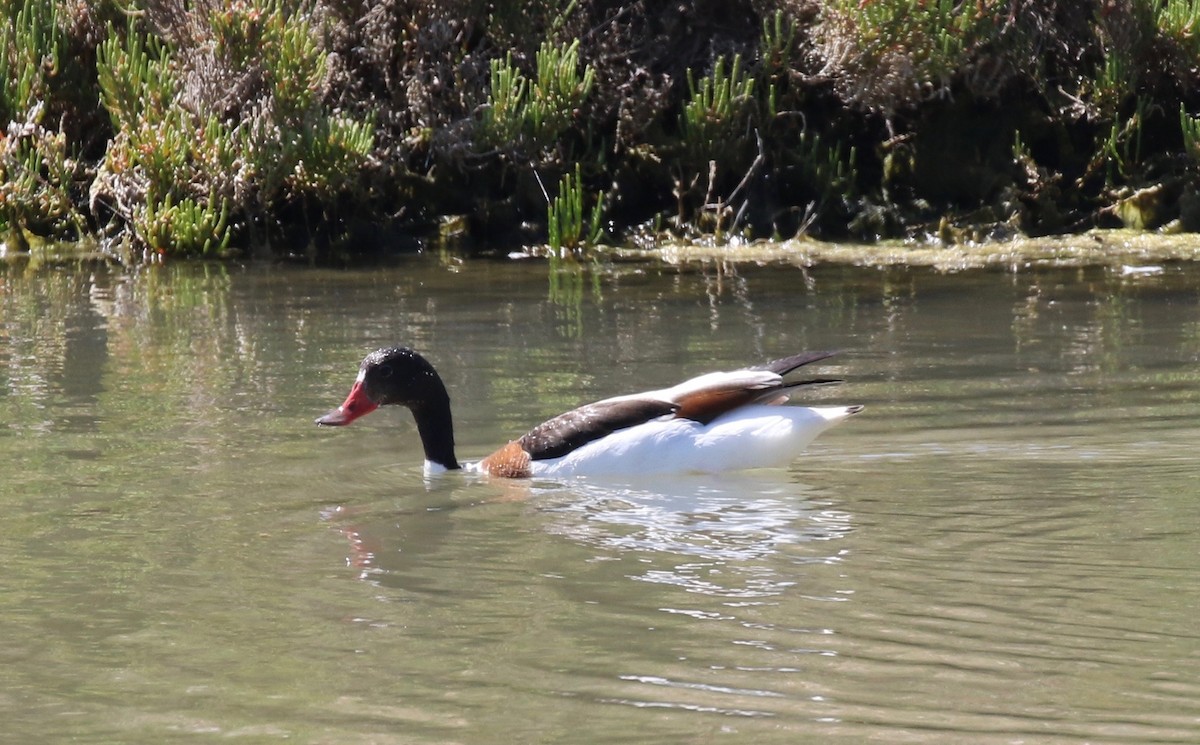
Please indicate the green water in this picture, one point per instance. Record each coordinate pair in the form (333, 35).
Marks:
(1004, 548)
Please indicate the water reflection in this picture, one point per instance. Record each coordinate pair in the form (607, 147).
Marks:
(573, 278)
(723, 566)
(718, 527)
(730, 518)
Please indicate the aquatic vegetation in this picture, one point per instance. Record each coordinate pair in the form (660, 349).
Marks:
(831, 170)
(566, 223)
(36, 175)
(777, 46)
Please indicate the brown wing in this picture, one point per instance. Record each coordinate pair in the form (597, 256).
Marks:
(566, 432)
(706, 403)
(705, 406)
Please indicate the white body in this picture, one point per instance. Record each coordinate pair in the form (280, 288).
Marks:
(749, 437)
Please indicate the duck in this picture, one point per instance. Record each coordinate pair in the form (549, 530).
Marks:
(715, 422)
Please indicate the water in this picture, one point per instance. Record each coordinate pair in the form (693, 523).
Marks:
(1004, 548)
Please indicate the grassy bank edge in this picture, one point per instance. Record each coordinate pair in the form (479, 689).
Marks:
(332, 130)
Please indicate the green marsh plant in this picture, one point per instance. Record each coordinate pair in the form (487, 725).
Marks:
(504, 116)
(558, 92)
(30, 45)
(1125, 35)
(1113, 84)
(1123, 145)
(150, 172)
(568, 225)
(776, 47)
(1179, 20)
(887, 54)
(36, 171)
(717, 108)
(716, 145)
(1190, 127)
(187, 170)
(288, 146)
(537, 111)
(830, 170)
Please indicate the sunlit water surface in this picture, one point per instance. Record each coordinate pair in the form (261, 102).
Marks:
(1003, 548)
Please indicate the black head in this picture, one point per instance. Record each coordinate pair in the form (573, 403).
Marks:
(394, 376)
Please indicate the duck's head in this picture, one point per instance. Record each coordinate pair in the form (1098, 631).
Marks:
(392, 376)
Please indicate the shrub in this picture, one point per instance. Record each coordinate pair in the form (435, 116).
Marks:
(888, 54)
(186, 157)
(153, 167)
(36, 172)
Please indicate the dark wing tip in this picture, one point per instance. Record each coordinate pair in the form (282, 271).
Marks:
(787, 364)
(821, 381)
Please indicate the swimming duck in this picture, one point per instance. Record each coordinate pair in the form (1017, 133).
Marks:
(720, 421)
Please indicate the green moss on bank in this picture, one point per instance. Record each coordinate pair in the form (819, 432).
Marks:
(323, 128)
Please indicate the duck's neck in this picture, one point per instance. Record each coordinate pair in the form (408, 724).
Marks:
(436, 427)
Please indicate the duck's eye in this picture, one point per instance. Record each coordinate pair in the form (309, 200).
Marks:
(384, 371)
